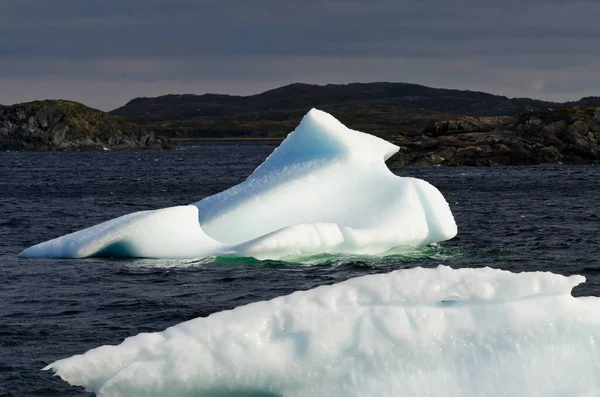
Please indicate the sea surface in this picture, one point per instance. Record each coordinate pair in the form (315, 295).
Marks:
(539, 218)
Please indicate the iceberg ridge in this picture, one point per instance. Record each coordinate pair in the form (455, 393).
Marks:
(325, 189)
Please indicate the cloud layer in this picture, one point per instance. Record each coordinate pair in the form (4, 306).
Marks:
(105, 52)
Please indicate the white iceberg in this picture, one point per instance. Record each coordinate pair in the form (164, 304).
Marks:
(325, 189)
(418, 332)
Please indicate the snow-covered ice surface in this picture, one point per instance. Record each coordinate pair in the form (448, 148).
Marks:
(417, 332)
(325, 189)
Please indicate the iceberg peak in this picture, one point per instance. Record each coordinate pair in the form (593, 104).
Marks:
(325, 189)
(322, 135)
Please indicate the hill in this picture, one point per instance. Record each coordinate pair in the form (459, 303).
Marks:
(66, 125)
(384, 109)
(302, 97)
(299, 98)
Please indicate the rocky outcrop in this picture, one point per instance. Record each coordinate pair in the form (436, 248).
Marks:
(468, 124)
(66, 125)
(570, 135)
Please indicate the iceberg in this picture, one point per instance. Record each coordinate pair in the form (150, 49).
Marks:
(325, 189)
(415, 332)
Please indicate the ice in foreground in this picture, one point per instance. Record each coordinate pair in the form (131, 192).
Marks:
(325, 189)
(417, 332)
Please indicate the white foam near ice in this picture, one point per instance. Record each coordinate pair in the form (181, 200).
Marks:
(417, 332)
(325, 189)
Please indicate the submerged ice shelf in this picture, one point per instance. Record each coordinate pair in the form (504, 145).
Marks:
(416, 332)
(325, 189)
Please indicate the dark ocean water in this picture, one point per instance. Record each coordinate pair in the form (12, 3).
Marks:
(515, 218)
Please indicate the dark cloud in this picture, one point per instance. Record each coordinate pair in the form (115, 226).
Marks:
(541, 48)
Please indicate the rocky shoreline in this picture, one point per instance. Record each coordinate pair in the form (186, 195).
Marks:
(560, 135)
(65, 125)
(568, 135)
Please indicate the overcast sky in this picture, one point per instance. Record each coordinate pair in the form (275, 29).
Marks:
(105, 52)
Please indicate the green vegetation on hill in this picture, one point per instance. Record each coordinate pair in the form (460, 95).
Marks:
(66, 125)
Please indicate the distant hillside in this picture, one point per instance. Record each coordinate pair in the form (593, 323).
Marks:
(383, 109)
(302, 97)
(66, 125)
(589, 101)
(383, 122)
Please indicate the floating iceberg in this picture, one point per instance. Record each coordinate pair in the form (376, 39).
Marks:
(417, 332)
(325, 189)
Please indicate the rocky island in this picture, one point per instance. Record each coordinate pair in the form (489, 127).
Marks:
(66, 125)
(563, 135)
